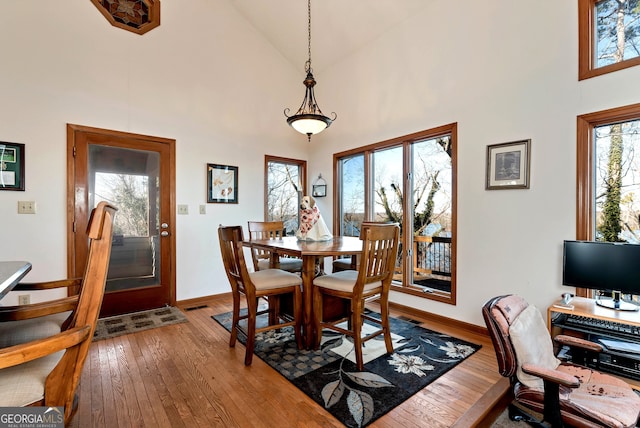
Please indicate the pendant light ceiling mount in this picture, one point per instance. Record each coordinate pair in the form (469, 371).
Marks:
(309, 119)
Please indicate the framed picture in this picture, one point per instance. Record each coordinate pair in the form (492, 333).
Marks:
(11, 166)
(319, 190)
(222, 184)
(508, 165)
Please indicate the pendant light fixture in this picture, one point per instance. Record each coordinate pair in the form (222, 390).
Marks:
(309, 118)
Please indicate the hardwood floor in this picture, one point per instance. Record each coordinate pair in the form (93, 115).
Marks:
(185, 375)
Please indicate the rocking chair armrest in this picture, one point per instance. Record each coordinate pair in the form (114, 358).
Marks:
(35, 310)
(49, 285)
(25, 352)
(555, 376)
(578, 342)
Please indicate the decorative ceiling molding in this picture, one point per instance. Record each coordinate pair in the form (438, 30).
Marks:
(137, 16)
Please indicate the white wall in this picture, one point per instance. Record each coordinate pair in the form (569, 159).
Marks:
(502, 70)
(204, 78)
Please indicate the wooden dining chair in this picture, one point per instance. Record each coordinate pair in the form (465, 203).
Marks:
(269, 284)
(46, 372)
(371, 280)
(262, 258)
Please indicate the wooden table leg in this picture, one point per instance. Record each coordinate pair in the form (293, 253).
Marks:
(308, 274)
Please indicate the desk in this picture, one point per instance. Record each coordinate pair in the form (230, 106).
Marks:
(623, 364)
(308, 251)
(10, 274)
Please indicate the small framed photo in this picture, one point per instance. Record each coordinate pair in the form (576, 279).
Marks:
(11, 166)
(222, 184)
(508, 165)
(319, 190)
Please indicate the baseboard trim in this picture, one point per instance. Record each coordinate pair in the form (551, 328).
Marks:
(409, 311)
(203, 300)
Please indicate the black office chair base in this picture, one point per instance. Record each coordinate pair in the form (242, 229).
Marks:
(517, 414)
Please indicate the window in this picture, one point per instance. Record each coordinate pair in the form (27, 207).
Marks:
(285, 181)
(608, 171)
(409, 180)
(609, 36)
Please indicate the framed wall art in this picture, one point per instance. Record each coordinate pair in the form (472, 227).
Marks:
(222, 184)
(11, 166)
(508, 165)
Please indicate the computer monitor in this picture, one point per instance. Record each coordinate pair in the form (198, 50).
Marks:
(610, 266)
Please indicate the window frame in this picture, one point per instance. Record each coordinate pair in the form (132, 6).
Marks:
(585, 163)
(405, 141)
(586, 40)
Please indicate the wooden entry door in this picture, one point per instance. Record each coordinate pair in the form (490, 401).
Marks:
(135, 173)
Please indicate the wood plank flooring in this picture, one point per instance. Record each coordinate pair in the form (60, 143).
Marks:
(185, 375)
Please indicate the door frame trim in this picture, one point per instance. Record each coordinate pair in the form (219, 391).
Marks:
(73, 131)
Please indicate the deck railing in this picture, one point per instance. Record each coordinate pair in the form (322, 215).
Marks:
(432, 255)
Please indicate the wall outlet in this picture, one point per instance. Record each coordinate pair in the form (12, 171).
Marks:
(26, 207)
(24, 299)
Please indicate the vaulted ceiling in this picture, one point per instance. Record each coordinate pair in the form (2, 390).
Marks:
(338, 27)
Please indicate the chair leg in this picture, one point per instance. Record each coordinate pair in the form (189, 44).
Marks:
(384, 318)
(356, 321)
(235, 320)
(297, 314)
(252, 308)
(317, 317)
(274, 309)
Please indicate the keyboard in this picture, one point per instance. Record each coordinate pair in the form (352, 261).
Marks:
(603, 327)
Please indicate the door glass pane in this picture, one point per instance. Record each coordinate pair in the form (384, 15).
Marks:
(352, 206)
(432, 213)
(283, 195)
(128, 179)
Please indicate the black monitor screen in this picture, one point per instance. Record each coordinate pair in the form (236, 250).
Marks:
(610, 266)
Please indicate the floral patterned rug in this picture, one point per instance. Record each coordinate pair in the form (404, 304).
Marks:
(355, 398)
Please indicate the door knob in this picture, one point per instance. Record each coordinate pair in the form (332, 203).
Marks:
(164, 233)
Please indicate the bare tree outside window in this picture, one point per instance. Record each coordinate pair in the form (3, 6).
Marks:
(617, 175)
(284, 187)
(130, 193)
(617, 31)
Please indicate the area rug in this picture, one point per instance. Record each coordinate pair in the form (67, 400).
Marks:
(137, 321)
(329, 375)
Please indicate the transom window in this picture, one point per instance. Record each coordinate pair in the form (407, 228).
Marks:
(609, 36)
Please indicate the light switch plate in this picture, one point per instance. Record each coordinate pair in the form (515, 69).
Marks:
(26, 207)
(203, 209)
(183, 209)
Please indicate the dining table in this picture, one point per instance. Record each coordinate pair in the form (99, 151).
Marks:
(311, 252)
(11, 272)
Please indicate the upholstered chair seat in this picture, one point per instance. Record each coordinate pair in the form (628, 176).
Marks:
(25, 384)
(343, 281)
(16, 332)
